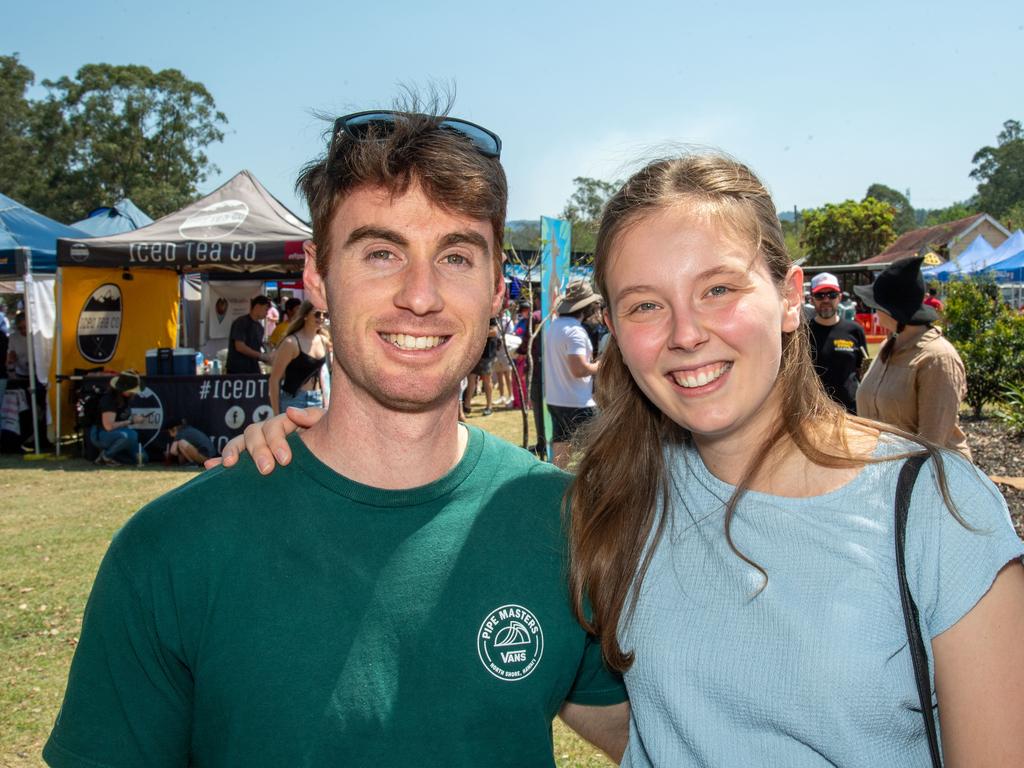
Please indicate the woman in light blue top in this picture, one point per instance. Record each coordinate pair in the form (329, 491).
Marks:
(733, 528)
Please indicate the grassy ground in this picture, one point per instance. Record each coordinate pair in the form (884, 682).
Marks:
(56, 521)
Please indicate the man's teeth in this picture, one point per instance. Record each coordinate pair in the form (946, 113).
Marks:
(405, 341)
(700, 377)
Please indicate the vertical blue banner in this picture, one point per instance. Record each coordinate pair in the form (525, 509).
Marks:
(556, 245)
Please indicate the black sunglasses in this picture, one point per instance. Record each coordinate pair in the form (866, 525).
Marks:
(358, 124)
(320, 314)
(826, 295)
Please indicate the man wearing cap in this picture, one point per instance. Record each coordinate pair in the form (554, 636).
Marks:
(838, 347)
(569, 368)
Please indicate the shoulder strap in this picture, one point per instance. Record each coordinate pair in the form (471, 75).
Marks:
(918, 652)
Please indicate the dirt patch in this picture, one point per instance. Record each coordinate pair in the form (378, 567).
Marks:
(997, 452)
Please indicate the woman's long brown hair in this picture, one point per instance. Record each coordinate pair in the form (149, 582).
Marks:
(621, 479)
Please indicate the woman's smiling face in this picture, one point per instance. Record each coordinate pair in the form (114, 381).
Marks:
(699, 322)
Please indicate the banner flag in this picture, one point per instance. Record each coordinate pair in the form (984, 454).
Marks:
(556, 245)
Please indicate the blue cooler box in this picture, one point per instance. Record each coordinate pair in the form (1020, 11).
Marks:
(165, 361)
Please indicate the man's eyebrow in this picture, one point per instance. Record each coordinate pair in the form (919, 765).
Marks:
(464, 238)
(375, 233)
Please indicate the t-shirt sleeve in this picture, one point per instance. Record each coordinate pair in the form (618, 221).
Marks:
(577, 342)
(595, 683)
(950, 567)
(128, 699)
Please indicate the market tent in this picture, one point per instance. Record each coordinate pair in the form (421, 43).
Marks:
(29, 238)
(1011, 246)
(1010, 269)
(125, 289)
(1005, 257)
(124, 216)
(240, 227)
(28, 251)
(977, 253)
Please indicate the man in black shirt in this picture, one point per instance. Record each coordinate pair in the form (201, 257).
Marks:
(245, 342)
(838, 347)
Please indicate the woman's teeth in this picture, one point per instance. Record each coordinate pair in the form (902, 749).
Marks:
(700, 376)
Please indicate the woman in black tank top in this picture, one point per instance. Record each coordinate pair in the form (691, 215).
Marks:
(299, 360)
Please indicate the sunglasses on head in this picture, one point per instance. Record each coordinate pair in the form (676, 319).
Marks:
(827, 295)
(381, 121)
(319, 314)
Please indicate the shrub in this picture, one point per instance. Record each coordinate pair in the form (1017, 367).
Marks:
(1011, 411)
(989, 336)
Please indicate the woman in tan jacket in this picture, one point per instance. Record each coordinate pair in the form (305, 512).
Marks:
(917, 382)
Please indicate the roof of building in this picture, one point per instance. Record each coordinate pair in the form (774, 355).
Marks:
(920, 241)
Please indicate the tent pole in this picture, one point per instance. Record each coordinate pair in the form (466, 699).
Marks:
(60, 348)
(31, 350)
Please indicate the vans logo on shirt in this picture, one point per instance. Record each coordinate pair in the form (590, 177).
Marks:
(510, 642)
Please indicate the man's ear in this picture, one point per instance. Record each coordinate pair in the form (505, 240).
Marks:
(312, 280)
(499, 288)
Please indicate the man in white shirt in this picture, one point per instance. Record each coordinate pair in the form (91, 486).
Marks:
(569, 369)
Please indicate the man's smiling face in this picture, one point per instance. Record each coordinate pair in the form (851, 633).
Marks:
(410, 288)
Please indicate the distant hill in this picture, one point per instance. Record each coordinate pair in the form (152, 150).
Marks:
(520, 224)
(786, 216)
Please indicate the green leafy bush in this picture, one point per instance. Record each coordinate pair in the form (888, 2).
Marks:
(989, 336)
(1011, 410)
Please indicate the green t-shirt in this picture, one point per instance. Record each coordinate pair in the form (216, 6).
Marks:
(302, 619)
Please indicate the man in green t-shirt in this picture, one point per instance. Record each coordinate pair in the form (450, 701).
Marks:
(388, 598)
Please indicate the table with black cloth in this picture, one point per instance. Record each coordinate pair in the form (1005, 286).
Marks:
(220, 406)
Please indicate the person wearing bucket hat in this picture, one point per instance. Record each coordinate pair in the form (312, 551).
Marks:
(569, 368)
(113, 435)
(917, 382)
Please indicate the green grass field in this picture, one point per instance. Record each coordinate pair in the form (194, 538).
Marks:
(56, 521)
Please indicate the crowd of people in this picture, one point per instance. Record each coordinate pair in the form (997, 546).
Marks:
(728, 585)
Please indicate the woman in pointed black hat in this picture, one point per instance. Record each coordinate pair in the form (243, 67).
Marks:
(917, 382)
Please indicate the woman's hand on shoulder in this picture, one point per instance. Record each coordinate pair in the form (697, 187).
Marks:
(267, 441)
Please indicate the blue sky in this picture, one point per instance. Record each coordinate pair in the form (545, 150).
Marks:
(821, 99)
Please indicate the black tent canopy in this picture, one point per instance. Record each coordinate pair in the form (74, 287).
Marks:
(239, 227)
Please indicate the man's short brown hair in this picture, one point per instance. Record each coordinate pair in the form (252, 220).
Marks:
(415, 149)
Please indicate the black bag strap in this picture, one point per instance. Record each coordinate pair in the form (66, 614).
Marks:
(918, 652)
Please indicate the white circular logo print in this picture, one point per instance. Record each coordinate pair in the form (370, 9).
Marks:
(510, 642)
(214, 221)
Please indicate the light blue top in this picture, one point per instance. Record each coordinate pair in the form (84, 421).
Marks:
(814, 670)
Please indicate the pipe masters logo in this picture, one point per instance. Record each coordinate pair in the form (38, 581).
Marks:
(510, 642)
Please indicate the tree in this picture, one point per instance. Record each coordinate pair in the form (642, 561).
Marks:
(999, 171)
(847, 232)
(1013, 217)
(954, 212)
(583, 209)
(17, 147)
(904, 219)
(989, 336)
(791, 234)
(122, 131)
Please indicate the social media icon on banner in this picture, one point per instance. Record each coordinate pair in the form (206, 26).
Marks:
(262, 413)
(235, 417)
